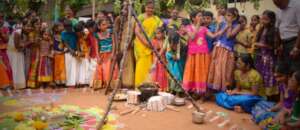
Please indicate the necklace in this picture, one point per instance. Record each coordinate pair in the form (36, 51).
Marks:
(103, 35)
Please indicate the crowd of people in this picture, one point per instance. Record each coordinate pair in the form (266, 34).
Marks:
(241, 64)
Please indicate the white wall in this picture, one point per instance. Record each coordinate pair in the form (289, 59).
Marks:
(246, 9)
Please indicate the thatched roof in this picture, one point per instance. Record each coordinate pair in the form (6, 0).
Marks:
(87, 9)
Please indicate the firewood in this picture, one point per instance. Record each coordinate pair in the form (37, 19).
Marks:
(172, 108)
(127, 111)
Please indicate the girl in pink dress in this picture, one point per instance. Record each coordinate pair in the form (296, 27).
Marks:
(198, 58)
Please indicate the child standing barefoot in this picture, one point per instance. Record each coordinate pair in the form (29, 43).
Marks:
(106, 55)
(175, 63)
(59, 76)
(222, 65)
(34, 37)
(83, 62)
(265, 57)
(159, 75)
(69, 39)
(45, 64)
(198, 58)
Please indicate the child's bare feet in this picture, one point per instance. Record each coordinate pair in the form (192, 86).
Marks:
(238, 109)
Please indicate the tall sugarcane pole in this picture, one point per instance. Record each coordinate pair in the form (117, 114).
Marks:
(117, 39)
(111, 97)
(93, 9)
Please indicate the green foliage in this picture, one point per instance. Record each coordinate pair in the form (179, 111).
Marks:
(157, 9)
(103, 1)
(221, 2)
(18, 8)
(21, 5)
(73, 121)
(138, 5)
(76, 4)
(205, 4)
(255, 4)
(117, 6)
(189, 6)
(170, 3)
(8, 123)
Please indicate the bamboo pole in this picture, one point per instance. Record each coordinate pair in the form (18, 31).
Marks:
(111, 97)
(93, 9)
(117, 39)
(111, 74)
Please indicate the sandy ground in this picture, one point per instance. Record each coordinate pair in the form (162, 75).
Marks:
(166, 120)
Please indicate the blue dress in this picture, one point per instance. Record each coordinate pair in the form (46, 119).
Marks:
(70, 39)
(245, 101)
(105, 44)
(210, 41)
(176, 69)
(225, 41)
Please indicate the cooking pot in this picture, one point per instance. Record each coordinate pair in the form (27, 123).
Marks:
(148, 90)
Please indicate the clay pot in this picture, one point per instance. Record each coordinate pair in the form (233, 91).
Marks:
(148, 90)
(198, 117)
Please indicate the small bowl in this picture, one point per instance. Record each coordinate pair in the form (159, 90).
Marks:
(198, 117)
(179, 101)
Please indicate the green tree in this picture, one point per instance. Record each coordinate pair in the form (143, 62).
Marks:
(18, 8)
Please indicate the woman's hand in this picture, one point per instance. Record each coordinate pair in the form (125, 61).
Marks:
(174, 57)
(233, 92)
(273, 109)
(280, 117)
(279, 50)
(260, 45)
(229, 92)
(220, 19)
(244, 45)
(295, 53)
(99, 61)
(113, 58)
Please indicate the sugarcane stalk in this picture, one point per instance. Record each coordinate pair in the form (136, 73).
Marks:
(111, 74)
(111, 97)
(160, 59)
(117, 40)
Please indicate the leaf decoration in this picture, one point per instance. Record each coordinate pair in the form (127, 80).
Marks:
(8, 123)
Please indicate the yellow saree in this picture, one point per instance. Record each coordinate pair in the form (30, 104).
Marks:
(142, 53)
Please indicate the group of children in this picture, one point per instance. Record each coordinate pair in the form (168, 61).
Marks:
(207, 54)
(237, 62)
(71, 53)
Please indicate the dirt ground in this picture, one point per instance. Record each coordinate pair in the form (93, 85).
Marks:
(166, 120)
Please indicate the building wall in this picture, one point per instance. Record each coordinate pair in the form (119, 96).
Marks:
(245, 9)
